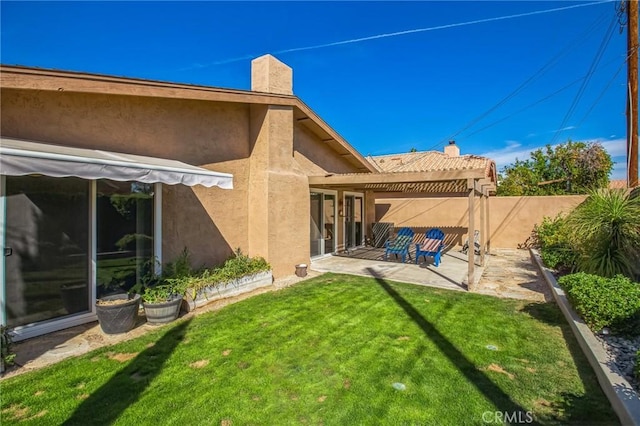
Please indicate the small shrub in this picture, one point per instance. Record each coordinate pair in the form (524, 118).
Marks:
(605, 302)
(158, 288)
(180, 267)
(608, 226)
(553, 238)
(240, 265)
(8, 357)
(162, 293)
(237, 266)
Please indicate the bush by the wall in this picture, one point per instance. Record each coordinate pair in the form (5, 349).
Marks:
(237, 266)
(554, 240)
(6, 354)
(607, 226)
(605, 302)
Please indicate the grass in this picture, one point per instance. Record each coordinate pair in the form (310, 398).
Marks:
(328, 351)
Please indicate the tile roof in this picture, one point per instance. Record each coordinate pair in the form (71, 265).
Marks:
(427, 161)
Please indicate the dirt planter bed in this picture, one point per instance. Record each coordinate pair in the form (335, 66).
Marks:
(623, 398)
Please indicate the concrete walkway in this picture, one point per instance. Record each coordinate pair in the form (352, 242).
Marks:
(513, 274)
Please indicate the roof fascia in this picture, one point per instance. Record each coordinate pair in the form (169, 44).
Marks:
(397, 177)
(25, 78)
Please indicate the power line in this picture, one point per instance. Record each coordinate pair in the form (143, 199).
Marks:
(562, 89)
(604, 90)
(594, 64)
(581, 38)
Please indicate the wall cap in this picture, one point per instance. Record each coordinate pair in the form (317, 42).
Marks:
(623, 398)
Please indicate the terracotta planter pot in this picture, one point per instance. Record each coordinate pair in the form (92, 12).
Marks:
(121, 317)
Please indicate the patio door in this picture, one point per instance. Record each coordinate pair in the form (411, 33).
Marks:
(67, 241)
(46, 249)
(322, 223)
(124, 235)
(353, 219)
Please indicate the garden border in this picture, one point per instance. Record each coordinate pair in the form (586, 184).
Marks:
(234, 287)
(624, 400)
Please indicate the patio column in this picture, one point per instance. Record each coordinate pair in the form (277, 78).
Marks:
(472, 226)
(483, 226)
(369, 212)
(488, 223)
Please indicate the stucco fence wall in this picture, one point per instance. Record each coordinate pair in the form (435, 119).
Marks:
(511, 219)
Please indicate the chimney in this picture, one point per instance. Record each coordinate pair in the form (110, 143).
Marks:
(271, 76)
(452, 149)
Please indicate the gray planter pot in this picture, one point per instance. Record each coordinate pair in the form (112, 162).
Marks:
(118, 318)
(162, 313)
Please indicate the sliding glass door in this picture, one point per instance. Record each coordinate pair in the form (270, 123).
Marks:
(46, 257)
(322, 223)
(67, 241)
(353, 220)
(124, 234)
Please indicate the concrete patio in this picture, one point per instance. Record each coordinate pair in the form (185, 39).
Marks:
(508, 273)
(367, 262)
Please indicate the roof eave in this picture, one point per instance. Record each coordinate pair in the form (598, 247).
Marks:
(25, 78)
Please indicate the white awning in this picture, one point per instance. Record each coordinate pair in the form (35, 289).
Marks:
(20, 157)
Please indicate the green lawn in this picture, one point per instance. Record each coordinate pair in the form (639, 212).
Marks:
(328, 351)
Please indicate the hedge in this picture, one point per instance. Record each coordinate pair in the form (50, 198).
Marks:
(605, 302)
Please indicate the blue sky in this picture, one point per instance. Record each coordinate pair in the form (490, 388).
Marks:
(499, 87)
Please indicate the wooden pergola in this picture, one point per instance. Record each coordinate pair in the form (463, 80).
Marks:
(470, 183)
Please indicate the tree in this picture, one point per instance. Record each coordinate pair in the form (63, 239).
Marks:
(569, 168)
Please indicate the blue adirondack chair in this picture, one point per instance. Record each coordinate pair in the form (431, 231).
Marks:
(400, 245)
(432, 246)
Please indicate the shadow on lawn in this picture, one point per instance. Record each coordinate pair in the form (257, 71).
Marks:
(576, 409)
(106, 404)
(490, 390)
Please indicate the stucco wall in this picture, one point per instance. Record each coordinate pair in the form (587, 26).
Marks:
(316, 157)
(283, 155)
(279, 192)
(270, 155)
(210, 222)
(511, 219)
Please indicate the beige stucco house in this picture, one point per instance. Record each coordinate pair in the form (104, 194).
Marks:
(99, 172)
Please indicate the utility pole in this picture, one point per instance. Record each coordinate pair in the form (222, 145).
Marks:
(632, 93)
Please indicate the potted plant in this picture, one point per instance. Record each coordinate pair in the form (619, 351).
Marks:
(118, 313)
(162, 302)
(118, 302)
